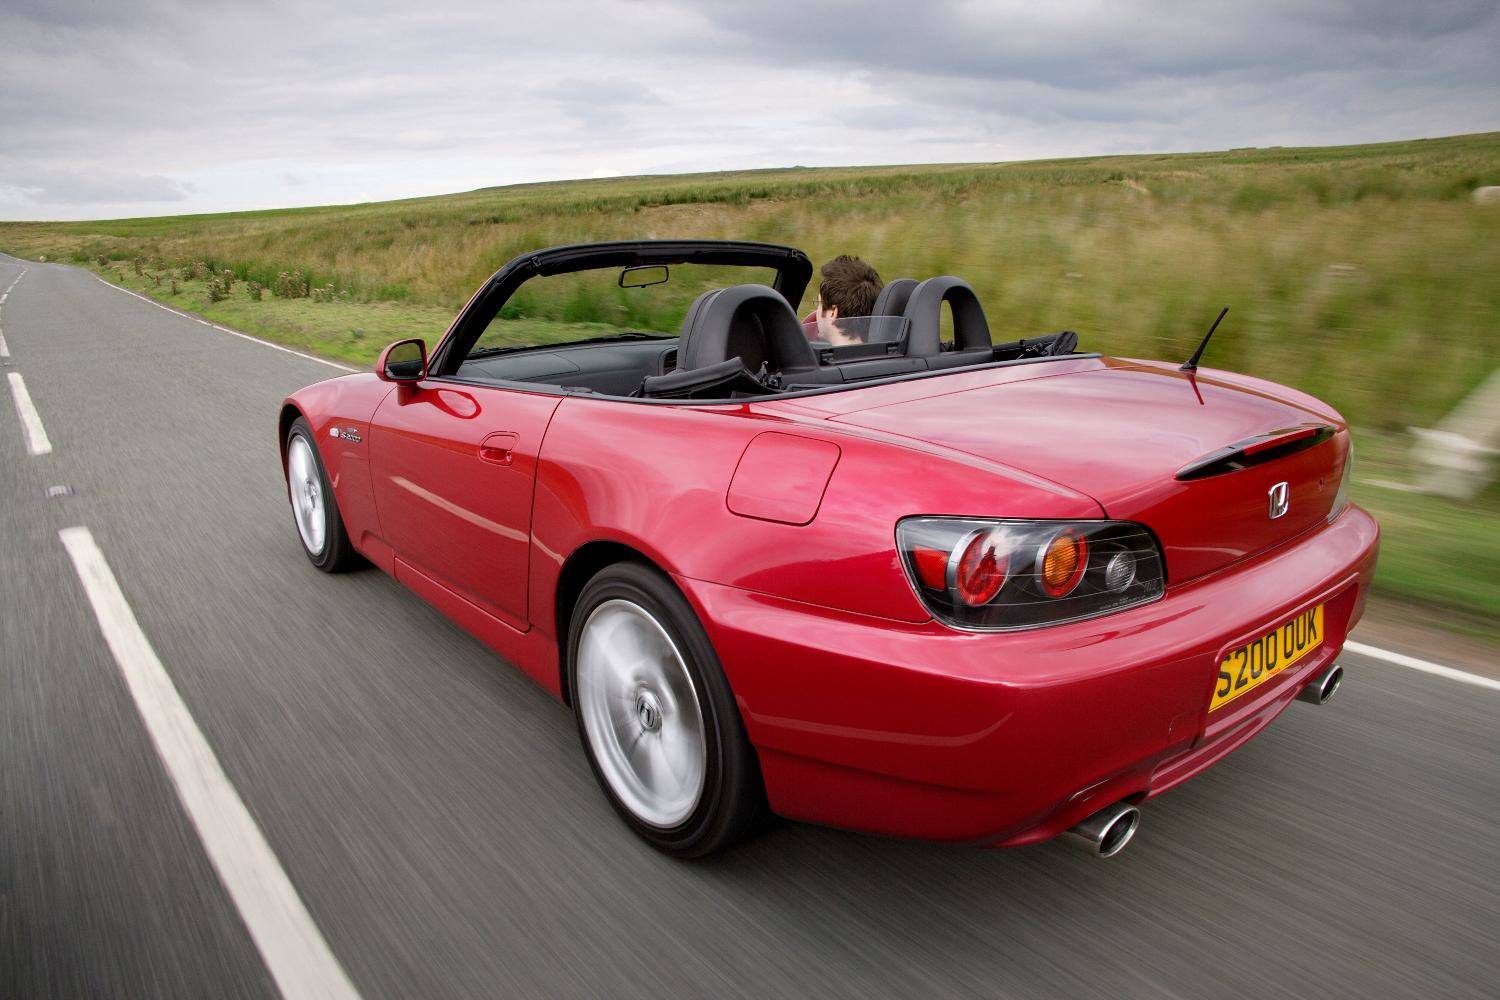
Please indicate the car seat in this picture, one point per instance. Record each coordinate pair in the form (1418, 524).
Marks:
(755, 324)
(971, 331)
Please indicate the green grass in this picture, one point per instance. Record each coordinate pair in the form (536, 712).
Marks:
(1363, 274)
(1346, 268)
(1434, 552)
(345, 330)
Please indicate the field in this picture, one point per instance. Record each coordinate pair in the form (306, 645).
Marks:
(1367, 275)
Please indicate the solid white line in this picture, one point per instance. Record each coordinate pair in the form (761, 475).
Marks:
(290, 944)
(36, 434)
(4, 347)
(225, 329)
(1402, 660)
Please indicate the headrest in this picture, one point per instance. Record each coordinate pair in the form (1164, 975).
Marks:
(751, 322)
(925, 311)
(893, 297)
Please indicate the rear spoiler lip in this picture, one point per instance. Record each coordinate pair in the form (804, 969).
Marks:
(1255, 450)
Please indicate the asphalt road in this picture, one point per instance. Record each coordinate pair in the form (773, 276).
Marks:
(433, 810)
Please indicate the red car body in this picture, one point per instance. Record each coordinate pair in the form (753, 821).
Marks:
(776, 519)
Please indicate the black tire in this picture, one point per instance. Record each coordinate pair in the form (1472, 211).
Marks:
(336, 553)
(732, 804)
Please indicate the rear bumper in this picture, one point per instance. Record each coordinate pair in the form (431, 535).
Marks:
(1007, 739)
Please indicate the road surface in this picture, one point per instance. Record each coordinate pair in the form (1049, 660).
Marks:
(434, 814)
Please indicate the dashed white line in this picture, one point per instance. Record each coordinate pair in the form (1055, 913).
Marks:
(290, 944)
(8, 288)
(31, 421)
(225, 329)
(1411, 662)
(4, 347)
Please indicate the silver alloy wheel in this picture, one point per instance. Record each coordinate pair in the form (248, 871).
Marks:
(306, 487)
(641, 714)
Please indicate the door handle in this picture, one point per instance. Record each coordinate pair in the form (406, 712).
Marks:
(499, 448)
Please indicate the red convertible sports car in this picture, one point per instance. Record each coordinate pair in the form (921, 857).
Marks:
(933, 584)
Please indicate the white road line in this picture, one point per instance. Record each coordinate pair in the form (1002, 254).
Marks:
(290, 944)
(1437, 669)
(225, 329)
(31, 421)
(4, 347)
(13, 285)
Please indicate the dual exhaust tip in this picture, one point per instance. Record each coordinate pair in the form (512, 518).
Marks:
(1321, 688)
(1108, 831)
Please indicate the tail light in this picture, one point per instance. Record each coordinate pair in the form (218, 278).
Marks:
(1062, 562)
(983, 564)
(1341, 496)
(992, 574)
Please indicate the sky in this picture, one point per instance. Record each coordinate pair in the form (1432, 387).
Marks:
(156, 107)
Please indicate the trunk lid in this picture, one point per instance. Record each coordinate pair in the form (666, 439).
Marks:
(1122, 431)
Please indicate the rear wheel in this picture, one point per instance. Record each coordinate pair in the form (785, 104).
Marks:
(656, 716)
(314, 510)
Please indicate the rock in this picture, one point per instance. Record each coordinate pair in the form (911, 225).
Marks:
(1457, 459)
(1450, 465)
(1489, 195)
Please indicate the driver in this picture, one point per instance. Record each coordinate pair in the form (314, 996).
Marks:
(848, 288)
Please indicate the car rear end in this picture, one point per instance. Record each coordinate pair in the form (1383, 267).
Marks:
(1011, 713)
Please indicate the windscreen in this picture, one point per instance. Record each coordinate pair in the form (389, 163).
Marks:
(565, 308)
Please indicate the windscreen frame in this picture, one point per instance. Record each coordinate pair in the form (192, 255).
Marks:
(792, 267)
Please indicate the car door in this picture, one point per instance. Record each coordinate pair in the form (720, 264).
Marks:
(454, 467)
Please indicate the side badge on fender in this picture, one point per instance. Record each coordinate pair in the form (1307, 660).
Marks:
(1281, 499)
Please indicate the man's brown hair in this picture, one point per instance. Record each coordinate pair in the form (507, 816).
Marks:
(850, 284)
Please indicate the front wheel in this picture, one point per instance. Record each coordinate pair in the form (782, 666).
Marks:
(314, 510)
(656, 715)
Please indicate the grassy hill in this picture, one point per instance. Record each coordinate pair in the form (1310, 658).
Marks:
(1347, 269)
(1367, 275)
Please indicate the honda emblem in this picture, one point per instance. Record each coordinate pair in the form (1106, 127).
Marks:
(1281, 498)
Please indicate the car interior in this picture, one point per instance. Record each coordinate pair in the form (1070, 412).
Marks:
(746, 341)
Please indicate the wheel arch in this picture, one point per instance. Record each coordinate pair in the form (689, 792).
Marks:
(581, 566)
(289, 414)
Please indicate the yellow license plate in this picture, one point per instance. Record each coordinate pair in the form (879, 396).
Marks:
(1257, 662)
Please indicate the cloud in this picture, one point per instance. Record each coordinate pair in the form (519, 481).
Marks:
(1090, 46)
(60, 187)
(250, 105)
(605, 102)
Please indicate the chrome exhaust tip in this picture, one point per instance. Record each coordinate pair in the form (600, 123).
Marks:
(1318, 690)
(1106, 833)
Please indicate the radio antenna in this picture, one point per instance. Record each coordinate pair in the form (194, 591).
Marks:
(1191, 364)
